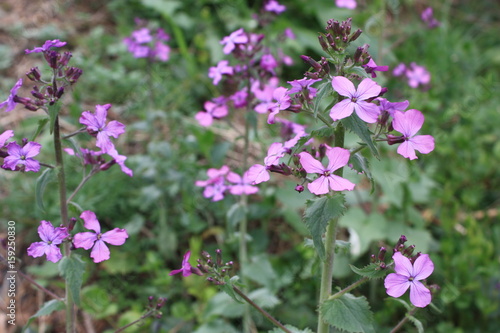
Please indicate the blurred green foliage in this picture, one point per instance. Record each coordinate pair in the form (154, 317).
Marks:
(446, 202)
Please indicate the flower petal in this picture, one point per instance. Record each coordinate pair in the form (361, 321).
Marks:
(343, 86)
(84, 240)
(420, 296)
(310, 164)
(407, 150)
(116, 236)
(342, 109)
(402, 264)
(100, 252)
(90, 221)
(37, 249)
(257, 174)
(340, 184)
(396, 285)
(319, 186)
(423, 267)
(409, 122)
(53, 253)
(423, 143)
(337, 158)
(367, 89)
(368, 112)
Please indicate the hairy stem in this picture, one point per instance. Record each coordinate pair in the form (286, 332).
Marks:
(331, 233)
(144, 316)
(349, 288)
(404, 320)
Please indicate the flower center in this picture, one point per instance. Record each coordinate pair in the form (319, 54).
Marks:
(22, 157)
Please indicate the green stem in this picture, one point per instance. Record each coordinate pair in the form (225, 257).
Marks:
(404, 320)
(349, 288)
(144, 316)
(262, 311)
(70, 307)
(331, 233)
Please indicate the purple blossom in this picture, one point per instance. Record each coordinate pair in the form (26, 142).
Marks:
(161, 51)
(186, 268)
(241, 185)
(368, 88)
(409, 276)
(349, 4)
(22, 156)
(304, 85)
(264, 95)
(337, 158)
(120, 160)
(5, 136)
(239, 98)
(9, 103)
(289, 33)
(46, 46)
(97, 240)
(51, 238)
(371, 67)
(283, 102)
(215, 184)
(212, 111)
(428, 17)
(417, 75)
(409, 123)
(390, 107)
(399, 70)
(96, 125)
(142, 36)
(257, 174)
(222, 68)
(268, 63)
(88, 156)
(142, 44)
(274, 7)
(237, 37)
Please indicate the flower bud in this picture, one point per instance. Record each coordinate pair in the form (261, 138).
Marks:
(161, 302)
(355, 35)
(65, 58)
(218, 253)
(310, 61)
(60, 92)
(72, 222)
(409, 250)
(381, 253)
(299, 188)
(34, 74)
(395, 139)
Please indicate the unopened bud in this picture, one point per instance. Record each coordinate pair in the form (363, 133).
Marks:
(322, 151)
(313, 63)
(409, 250)
(72, 223)
(60, 92)
(323, 43)
(355, 35)
(34, 74)
(161, 302)
(373, 258)
(218, 253)
(299, 188)
(65, 58)
(381, 253)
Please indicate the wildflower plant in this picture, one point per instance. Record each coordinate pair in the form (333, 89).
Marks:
(58, 244)
(338, 91)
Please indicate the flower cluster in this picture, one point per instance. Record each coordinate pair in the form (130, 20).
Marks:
(19, 157)
(428, 18)
(143, 43)
(52, 237)
(224, 180)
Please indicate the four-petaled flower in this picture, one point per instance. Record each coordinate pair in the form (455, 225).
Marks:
(274, 7)
(213, 111)
(417, 75)
(283, 102)
(237, 37)
(337, 158)
(46, 46)
(51, 238)
(356, 99)
(409, 276)
(186, 268)
(241, 185)
(97, 240)
(215, 184)
(22, 156)
(96, 123)
(409, 123)
(349, 4)
(9, 103)
(222, 68)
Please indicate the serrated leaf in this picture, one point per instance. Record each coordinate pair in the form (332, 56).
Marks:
(72, 268)
(323, 132)
(292, 329)
(41, 125)
(372, 271)
(348, 313)
(46, 309)
(228, 288)
(417, 323)
(41, 183)
(53, 113)
(319, 212)
(322, 90)
(360, 164)
(360, 128)
(360, 71)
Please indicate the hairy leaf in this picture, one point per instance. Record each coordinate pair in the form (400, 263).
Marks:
(72, 270)
(46, 309)
(372, 271)
(360, 128)
(348, 313)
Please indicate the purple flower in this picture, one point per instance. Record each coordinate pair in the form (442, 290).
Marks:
(417, 75)
(390, 107)
(242, 185)
(356, 99)
(51, 238)
(46, 46)
(283, 102)
(97, 240)
(161, 51)
(222, 68)
(142, 36)
(214, 185)
(428, 17)
(274, 7)
(349, 4)
(409, 276)
(289, 33)
(257, 174)
(96, 124)
(120, 160)
(239, 98)
(22, 156)
(213, 111)
(371, 67)
(236, 37)
(302, 85)
(9, 103)
(268, 63)
(186, 268)
(399, 70)
(5, 136)
(337, 158)
(264, 95)
(409, 123)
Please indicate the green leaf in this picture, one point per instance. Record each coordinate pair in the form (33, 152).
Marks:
(348, 313)
(41, 125)
(322, 90)
(319, 212)
(41, 183)
(292, 329)
(228, 288)
(360, 128)
(236, 214)
(360, 164)
(46, 309)
(53, 113)
(417, 323)
(372, 271)
(72, 269)
(323, 132)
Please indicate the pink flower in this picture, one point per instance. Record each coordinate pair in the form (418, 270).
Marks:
(349, 4)
(264, 95)
(51, 238)
(215, 184)
(390, 107)
(409, 123)
(213, 111)
(428, 17)
(242, 185)
(9, 103)
(5, 136)
(97, 240)
(399, 70)
(283, 102)
(268, 63)
(304, 85)
(161, 51)
(239, 98)
(222, 68)
(409, 276)
(120, 160)
(22, 156)
(371, 67)
(96, 124)
(142, 36)
(274, 6)
(356, 99)
(337, 158)
(417, 75)
(257, 174)
(46, 46)
(230, 42)
(186, 268)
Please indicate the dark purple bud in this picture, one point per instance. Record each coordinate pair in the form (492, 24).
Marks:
(52, 58)
(382, 265)
(34, 74)
(37, 94)
(310, 75)
(60, 92)
(299, 188)
(196, 270)
(323, 43)
(381, 253)
(402, 240)
(218, 255)
(24, 141)
(229, 263)
(311, 62)
(372, 258)
(31, 107)
(329, 38)
(107, 165)
(205, 255)
(322, 151)
(161, 302)
(65, 58)
(395, 139)
(409, 250)
(202, 268)
(72, 223)
(150, 300)
(355, 35)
